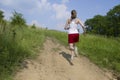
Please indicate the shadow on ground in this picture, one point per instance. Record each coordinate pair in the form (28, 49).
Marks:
(66, 56)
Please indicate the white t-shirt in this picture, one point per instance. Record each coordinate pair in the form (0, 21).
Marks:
(73, 27)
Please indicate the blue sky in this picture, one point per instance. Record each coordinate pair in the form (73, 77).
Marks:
(53, 13)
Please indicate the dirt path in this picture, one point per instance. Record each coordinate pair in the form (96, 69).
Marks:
(53, 64)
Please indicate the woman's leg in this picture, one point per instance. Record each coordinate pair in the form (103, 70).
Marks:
(71, 46)
(75, 50)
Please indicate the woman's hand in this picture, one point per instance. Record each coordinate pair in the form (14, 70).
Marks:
(84, 33)
(66, 28)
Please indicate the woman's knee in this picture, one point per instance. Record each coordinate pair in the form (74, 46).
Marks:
(71, 46)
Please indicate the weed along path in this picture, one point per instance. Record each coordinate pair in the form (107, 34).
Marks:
(53, 64)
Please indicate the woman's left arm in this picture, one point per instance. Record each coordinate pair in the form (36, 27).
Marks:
(79, 21)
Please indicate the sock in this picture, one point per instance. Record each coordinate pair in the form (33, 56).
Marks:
(76, 51)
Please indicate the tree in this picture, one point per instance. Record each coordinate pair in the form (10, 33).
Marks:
(114, 20)
(97, 24)
(106, 25)
(1, 15)
(17, 19)
(33, 26)
(2, 22)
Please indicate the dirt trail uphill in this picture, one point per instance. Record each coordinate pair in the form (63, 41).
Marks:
(53, 63)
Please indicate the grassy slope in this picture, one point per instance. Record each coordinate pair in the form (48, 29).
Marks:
(14, 50)
(105, 52)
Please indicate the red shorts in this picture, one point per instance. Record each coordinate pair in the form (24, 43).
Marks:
(72, 38)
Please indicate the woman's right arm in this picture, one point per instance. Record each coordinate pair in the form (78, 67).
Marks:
(66, 25)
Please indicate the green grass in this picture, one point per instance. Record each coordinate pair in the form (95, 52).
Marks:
(59, 36)
(13, 50)
(105, 52)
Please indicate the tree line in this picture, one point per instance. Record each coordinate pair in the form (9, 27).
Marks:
(16, 43)
(17, 21)
(108, 25)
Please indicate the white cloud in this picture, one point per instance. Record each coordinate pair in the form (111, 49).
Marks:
(65, 1)
(61, 11)
(6, 2)
(43, 5)
(6, 14)
(38, 12)
(26, 7)
(36, 23)
(40, 5)
(60, 25)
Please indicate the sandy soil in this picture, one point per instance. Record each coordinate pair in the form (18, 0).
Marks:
(53, 63)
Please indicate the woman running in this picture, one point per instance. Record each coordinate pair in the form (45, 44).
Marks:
(73, 33)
